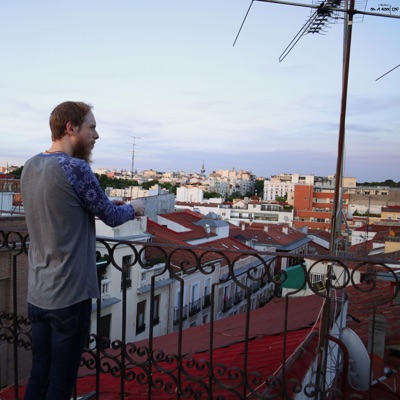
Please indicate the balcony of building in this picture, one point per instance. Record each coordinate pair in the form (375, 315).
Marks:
(194, 307)
(288, 347)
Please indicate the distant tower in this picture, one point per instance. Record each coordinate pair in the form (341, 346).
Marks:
(133, 154)
(203, 169)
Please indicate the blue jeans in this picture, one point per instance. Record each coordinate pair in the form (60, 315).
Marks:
(58, 338)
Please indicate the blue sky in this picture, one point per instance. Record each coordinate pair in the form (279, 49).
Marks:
(167, 72)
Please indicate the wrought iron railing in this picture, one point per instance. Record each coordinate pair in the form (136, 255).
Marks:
(134, 357)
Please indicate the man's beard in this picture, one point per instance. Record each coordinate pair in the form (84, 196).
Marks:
(82, 152)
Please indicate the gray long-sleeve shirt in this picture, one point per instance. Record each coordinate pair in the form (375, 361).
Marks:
(61, 198)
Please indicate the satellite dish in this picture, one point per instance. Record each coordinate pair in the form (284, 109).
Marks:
(359, 361)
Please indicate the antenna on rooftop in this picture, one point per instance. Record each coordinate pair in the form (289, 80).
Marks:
(397, 66)
(315, 24)
(133, 153)
(326, 13)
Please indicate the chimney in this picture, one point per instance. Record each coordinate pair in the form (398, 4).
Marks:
(266, 228)
(285, 230)
(243, 226)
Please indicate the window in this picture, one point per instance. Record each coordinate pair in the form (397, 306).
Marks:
(126, 280)
(140, 314)
(104, 330)
(156, 310)
(207, 293)
(194, 306)
(177, 299)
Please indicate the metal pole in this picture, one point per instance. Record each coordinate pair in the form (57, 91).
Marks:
(133, 154)
(336, 211)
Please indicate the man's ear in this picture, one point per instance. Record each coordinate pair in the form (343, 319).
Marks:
(70, 128)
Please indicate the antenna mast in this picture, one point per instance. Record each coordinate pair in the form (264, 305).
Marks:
(323, 13)
(133, 153)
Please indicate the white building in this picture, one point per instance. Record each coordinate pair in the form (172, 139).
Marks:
(6, 201)
(281, 185)
(124, 272)
(134, 192)
(189, 194)
(227, 182)
(242, 211)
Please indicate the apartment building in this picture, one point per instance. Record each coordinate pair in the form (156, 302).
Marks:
(391, 213)
(190, 194)
(121, 278)
(227, 182)
(313, 206)
(280, 185)
(227, 274)
(245, 210)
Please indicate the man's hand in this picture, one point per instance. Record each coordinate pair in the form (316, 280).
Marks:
(139, 206)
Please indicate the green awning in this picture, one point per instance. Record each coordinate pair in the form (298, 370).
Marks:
(294, 278)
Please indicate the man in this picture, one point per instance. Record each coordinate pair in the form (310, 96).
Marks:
(61, 199)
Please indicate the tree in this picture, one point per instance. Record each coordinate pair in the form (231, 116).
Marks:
(281, 199)
(149, 184)
(170, 187)
(105, 182)
(387, 182)
(16, 172)
(234, 195)
(211, 195)
(259, 188)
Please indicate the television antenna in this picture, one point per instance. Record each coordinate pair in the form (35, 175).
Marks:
(315, 24)
(325, 13)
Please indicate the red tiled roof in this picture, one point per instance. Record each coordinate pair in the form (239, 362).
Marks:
(265, 346)
(320, 233)
(361, 308)
(274, 235)
(194, 204)
(186, 219)
(391, 208)
(315, 248)
(378, 228)
(264, 353)
(361, 249)
(265, 321)
(363, 299)
(163, 235)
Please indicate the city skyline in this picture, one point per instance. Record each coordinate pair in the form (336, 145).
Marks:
(168, 73)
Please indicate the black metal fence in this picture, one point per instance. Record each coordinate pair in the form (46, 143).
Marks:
(163, 293)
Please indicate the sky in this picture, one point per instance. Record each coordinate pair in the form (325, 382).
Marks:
(167, 84)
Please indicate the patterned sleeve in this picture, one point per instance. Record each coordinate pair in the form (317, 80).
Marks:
(90, 193)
